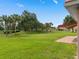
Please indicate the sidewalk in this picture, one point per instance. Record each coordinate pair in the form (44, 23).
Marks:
(67, 39)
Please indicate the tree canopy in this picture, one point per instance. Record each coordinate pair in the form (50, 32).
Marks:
(27, 21)
(69, 22)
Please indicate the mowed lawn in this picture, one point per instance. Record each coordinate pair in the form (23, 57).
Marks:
(36, 46)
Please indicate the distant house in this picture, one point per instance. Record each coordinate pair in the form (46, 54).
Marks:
(72, 28)
(61, 28)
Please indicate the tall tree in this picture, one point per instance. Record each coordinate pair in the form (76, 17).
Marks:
(6, 24)
(16, 19)
(69, 22)
(29, 21)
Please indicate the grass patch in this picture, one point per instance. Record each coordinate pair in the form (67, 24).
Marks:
(36, 46)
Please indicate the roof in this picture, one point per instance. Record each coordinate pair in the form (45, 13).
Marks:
(70, 26)
(60, 26)
(68, 1)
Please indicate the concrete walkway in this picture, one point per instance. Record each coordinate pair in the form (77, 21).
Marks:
(67, 39)
(76, 57)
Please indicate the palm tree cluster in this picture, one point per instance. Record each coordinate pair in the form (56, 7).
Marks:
(27, 21)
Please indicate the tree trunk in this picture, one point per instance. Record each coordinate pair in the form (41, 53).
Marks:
(72, 30)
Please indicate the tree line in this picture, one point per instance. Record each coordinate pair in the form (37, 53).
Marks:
(27, 22)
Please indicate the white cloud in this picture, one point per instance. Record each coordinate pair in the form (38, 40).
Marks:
(55, 1)
(20, 5)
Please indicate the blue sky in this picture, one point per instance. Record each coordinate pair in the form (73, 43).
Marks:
(46, 10)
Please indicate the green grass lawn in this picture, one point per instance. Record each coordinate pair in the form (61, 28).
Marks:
(36, 46)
